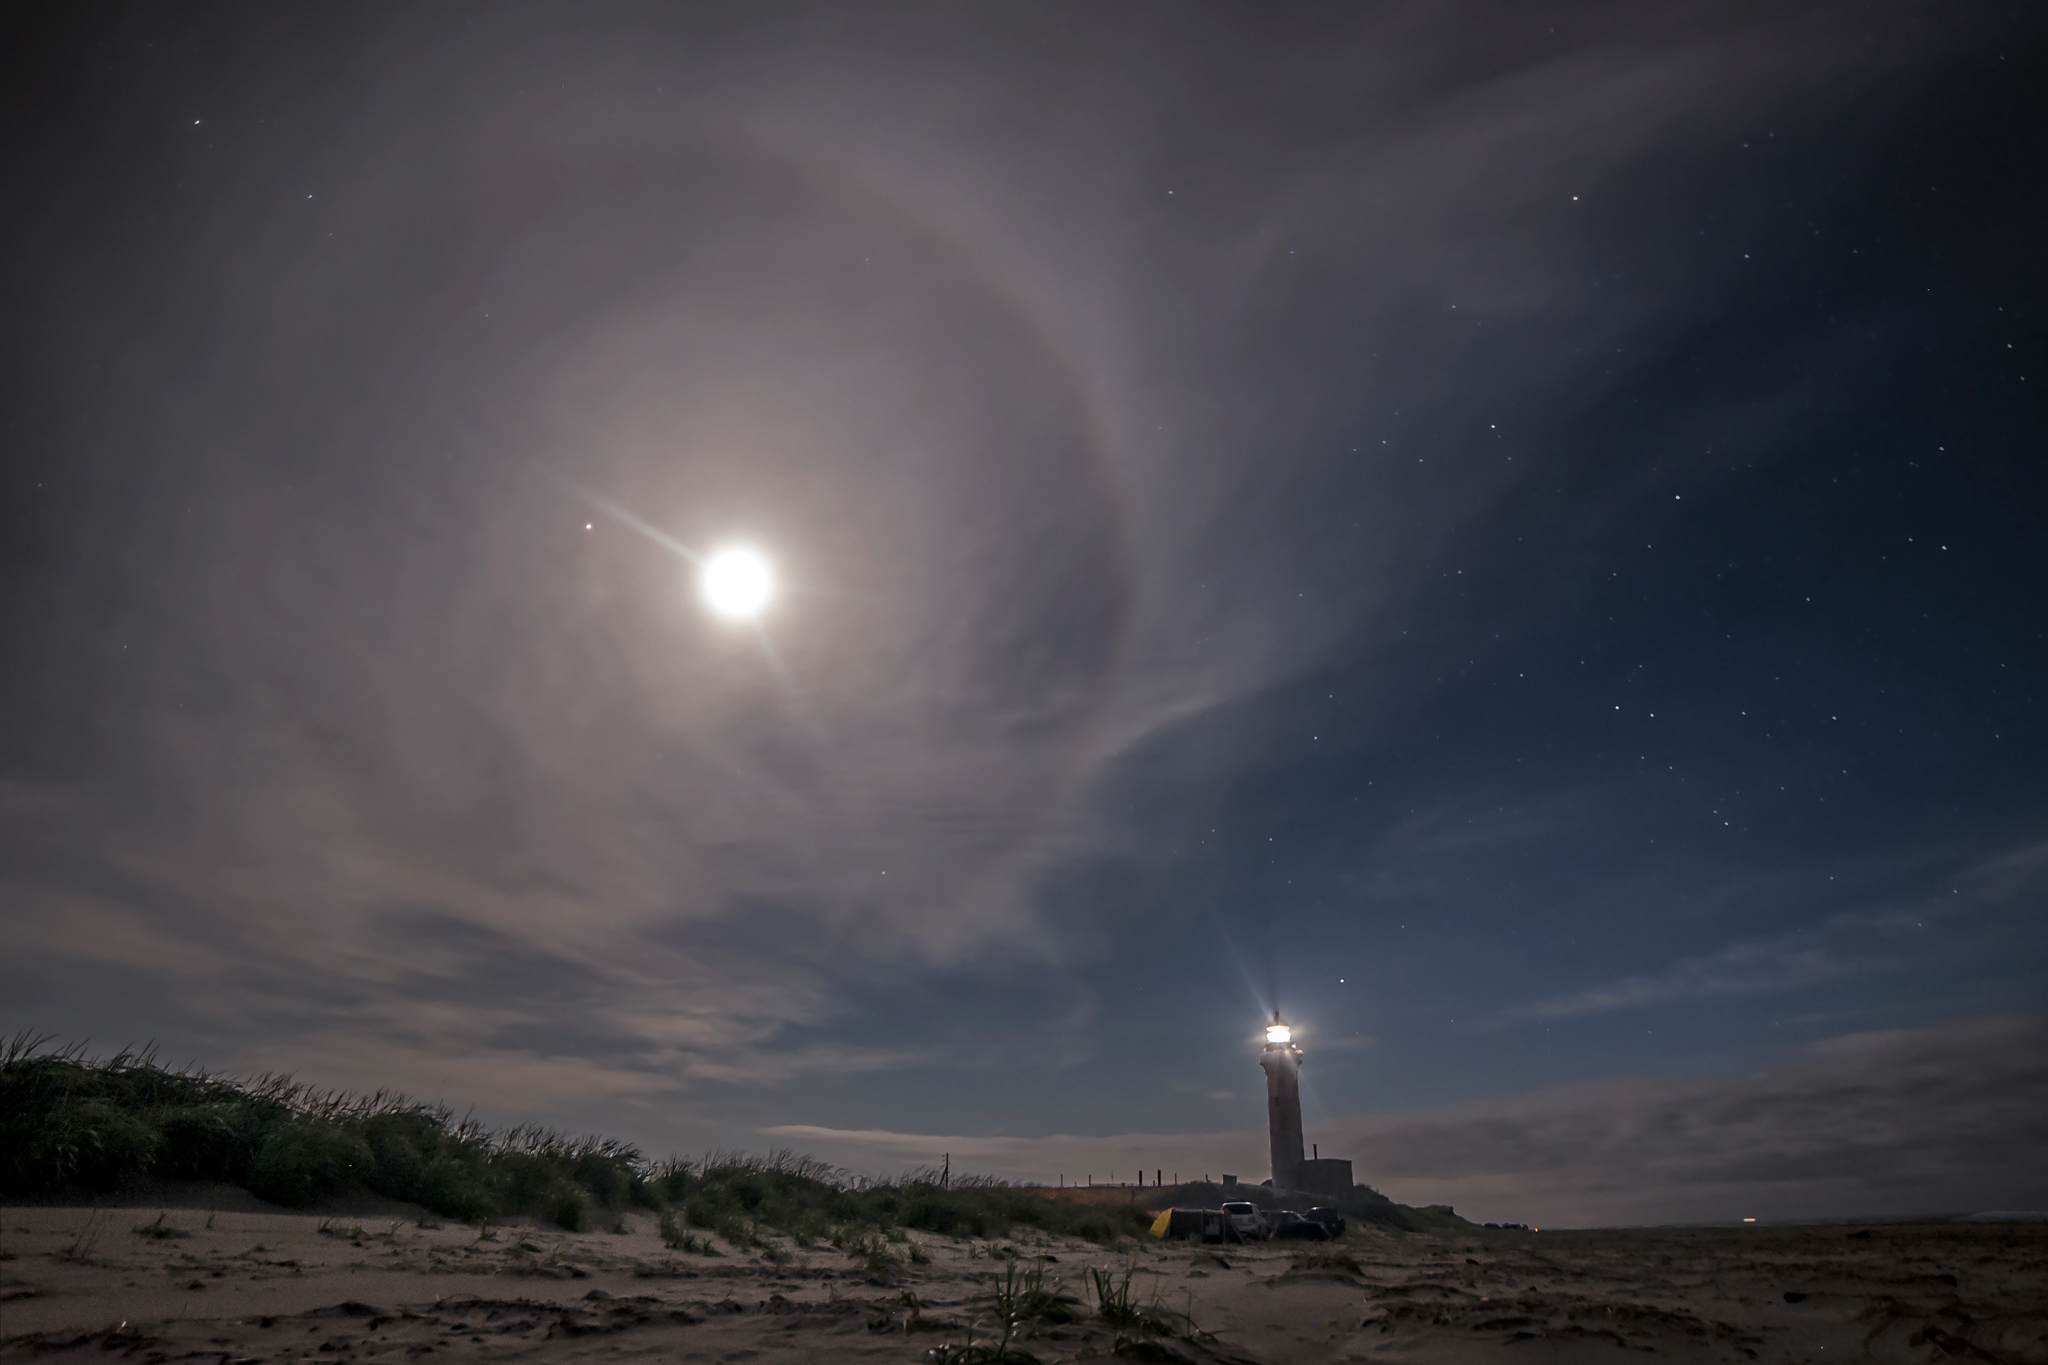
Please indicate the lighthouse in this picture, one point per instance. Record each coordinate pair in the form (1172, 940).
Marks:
(1282, 1062)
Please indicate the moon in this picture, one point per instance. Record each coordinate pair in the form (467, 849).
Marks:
(737, 583)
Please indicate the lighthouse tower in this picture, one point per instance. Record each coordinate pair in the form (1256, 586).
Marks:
(1282, 1062)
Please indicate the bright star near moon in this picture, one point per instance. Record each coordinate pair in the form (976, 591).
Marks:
(737, 583)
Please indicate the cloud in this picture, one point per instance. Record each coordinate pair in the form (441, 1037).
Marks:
(1931, 924)
(1451, 831)
(1782, 962)
(415, 760)
(1950, 1117)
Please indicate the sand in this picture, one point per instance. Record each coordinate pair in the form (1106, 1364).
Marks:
(242, 1285)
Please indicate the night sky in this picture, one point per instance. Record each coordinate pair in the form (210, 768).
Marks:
(1515, 534)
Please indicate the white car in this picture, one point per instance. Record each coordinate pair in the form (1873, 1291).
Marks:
(1246, 1220)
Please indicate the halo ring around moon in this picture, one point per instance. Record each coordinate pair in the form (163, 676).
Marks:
(523, 198)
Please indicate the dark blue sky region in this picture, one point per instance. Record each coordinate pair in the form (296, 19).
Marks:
(1509, 534)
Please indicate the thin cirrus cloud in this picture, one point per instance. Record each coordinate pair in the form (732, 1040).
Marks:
(1950, 1117)
(1782, 962)
(1942, 923)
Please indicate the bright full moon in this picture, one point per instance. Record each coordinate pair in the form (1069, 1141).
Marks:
(737, 583)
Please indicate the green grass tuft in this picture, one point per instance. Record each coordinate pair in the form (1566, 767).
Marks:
(870, 1251)
(1025, 1299)
(1113, 1298)
(1116, 1303)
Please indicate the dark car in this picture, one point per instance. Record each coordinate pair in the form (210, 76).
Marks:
(1291, 1226)
(1331, 1219)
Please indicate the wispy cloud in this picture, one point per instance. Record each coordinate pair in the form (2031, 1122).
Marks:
(1844, 945)
(1948, 1117)
(1782, 962)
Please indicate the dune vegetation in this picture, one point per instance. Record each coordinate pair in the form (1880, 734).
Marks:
(71, 1124)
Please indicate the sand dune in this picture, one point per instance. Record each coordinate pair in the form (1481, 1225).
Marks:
(242, 1285)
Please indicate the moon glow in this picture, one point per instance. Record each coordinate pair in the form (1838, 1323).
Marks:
(737, 583)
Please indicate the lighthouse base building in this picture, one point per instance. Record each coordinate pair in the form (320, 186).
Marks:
(1328, 1176)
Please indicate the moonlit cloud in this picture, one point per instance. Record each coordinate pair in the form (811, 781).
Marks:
(1327, 507)
(1947, 1118)
(1785, 963)
(1863, 944)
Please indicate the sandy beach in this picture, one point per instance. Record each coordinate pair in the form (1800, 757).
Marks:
(238, 1283)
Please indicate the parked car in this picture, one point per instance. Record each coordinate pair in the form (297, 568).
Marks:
(1246, 1221)
(1291, 1226)
(1331, 1219)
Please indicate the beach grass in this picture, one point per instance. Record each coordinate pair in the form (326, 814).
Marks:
(74, 1124)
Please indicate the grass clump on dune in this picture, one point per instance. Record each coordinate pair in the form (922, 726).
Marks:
(69, 1123)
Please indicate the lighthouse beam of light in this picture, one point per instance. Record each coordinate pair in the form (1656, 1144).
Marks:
(1266, 1007)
